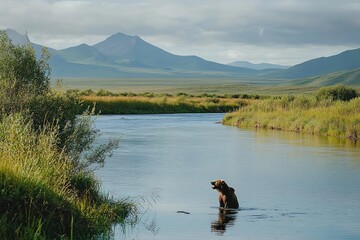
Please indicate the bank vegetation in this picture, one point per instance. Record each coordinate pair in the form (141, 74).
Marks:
(332, 111)
(48, 189)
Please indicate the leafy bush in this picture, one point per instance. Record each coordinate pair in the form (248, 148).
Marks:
(41, 195)
(338, 92)
(47, 158)
(20, 71)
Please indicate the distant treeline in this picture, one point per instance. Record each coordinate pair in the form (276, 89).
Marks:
(107, 102)
(107, 93)
(332, 111)
(158, 105)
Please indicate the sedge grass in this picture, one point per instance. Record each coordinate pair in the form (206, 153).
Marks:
(165, 104)
(40, 195)
(301, 114)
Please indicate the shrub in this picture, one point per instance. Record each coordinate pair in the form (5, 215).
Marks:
(47, 158)
(87, 92)
(103, 92)
(335, 93)
(20, 71)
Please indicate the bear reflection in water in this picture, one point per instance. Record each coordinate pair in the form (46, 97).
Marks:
(226, 218)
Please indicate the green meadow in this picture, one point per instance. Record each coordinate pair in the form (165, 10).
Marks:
(191, 86)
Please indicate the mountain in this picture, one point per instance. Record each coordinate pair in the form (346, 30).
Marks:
(83, 54)
(351, 77)
(257, 66)
(344, 61)
(141, 53)
(121, 55)
(17, 38)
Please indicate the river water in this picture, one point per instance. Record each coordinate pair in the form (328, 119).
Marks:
(290, 186)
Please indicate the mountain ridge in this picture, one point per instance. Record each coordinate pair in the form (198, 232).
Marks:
(350, 77)
(257, 66)
(347, 60)
(121, 55)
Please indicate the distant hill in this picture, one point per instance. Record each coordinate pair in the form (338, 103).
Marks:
(344, 61)
(83, 54)
(17, 38)
(137, 53)
(257, 66)
(121, 55)
(351, 77)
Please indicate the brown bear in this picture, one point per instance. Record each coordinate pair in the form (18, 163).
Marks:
(227, 197)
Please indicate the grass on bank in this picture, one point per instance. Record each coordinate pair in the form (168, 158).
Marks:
(330, 113)
(41, 196)
(48, 189)
(165, 104)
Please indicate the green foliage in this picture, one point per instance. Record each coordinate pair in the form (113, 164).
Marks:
(103, 92)
(20, 71)
(338, 92)
(47, 156)
(41, 195)
(301, 114)
(79, 145)
(156, 105)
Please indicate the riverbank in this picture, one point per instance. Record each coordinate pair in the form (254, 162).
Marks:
(48, 187)
(161, 105)
(303, 114)
(44, 195)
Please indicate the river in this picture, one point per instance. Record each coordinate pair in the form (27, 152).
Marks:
(290, 186)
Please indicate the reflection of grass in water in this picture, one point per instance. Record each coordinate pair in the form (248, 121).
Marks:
(145, 205)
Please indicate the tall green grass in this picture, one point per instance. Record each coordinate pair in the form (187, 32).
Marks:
(48, 189)
(301, 114)
(40, 194)
(165, 104)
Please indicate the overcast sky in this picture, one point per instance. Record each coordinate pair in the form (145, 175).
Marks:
(277, 31)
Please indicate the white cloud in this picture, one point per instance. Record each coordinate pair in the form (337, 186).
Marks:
(256, 30)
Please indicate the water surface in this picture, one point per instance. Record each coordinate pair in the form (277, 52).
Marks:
(289, 186)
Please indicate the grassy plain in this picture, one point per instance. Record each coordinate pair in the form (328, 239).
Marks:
(187, 85)
(191, 85)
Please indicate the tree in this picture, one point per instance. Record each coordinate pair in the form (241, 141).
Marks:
(20, 70)
(25, 88)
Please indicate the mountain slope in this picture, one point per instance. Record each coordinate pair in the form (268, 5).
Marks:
(137, 50)
(344, 61)
(257, 66)
(351, 77)
(83, 54)
(121, 55)
(17, 38)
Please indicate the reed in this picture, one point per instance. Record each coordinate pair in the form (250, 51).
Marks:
(40, 194)
(164, 104)
(301, 114)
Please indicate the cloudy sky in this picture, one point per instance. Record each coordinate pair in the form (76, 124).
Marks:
(277, 31)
